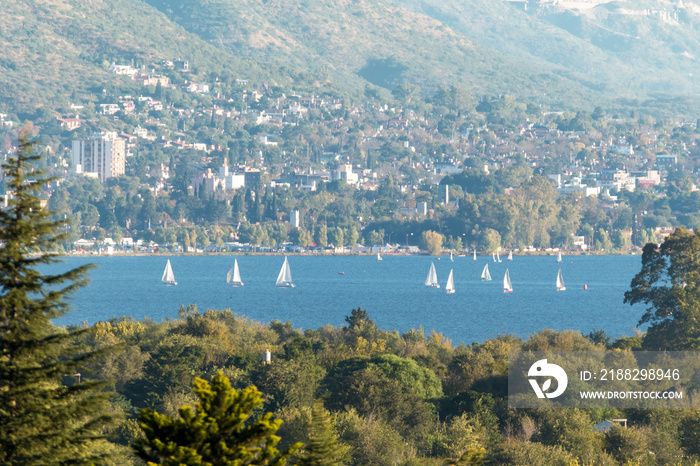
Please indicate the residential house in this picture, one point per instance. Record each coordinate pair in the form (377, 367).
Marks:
(197, 88)
(345, 173)
(109, 109)
(617, 180)
(70, 123)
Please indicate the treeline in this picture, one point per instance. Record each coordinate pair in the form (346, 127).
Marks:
(510, 208)
(412, 398)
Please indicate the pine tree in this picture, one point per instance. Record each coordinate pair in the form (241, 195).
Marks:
(217, 432)
(42, 420)
(323, 448)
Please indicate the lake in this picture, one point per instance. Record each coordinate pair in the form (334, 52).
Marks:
(391, 290)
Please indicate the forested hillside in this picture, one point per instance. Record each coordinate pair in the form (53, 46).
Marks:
(633, 48)
(57, 52)
(358, 42)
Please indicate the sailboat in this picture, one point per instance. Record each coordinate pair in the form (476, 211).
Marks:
(493, 255)
(507, 287)
(379, 257)
(498, 257)
(432, 277)
(559, 257)
(450, 287)
(474, 253)
(510, 256)
(560, 282)
(451, 258)
(485, 275)
(234, 275)
(168, 275)
(284, 279)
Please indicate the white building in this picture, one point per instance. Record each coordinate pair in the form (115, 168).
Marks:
(295, 218)
(617, 180)
(345, 173)
(231, 180)
(101, 155)
(212, 181)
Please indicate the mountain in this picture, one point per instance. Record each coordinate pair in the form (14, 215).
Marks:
(359, 41)
(633, 49)
(53, 52)
(569, 54)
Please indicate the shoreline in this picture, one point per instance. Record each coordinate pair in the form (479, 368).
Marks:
(338, 254)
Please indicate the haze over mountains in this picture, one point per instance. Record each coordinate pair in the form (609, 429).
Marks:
(568, 54)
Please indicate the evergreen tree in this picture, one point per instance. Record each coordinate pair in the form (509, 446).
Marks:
(42, 420)
(323, 448)
(217, 432)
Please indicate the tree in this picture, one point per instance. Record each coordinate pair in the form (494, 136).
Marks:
(322, 236)
(351, 236)
(323, 447)
(216, 432)
(432, 242)
(42, 420)
(359, 323)
(455, 243)
(669, 284)
(490, 240)
(338, 237)
(375, 237)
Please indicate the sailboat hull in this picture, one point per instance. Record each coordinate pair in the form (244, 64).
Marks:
(450, 291)
(286, 285)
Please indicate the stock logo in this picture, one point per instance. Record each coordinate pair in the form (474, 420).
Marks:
(542, 368)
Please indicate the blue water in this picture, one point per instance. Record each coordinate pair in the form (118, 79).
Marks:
(391, 290)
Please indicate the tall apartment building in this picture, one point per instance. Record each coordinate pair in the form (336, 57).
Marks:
(101, 155)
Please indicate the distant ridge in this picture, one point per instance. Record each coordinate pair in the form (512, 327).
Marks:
(564, 55)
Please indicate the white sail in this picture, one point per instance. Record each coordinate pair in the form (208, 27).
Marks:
(507, 287)
(451, 259)
(379, 257)
(485, 275)
(510, 255)
(474, 253)
(559, 257)
(432, 279)
(493, 255)
(168, 275)
(498, 257)
(450, 287)
(284, 279)
(560, 282)
(234, 275)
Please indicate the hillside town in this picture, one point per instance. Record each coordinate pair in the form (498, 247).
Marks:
(237, 144)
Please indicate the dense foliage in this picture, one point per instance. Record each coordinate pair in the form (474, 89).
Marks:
(216, 432)
(410, 397)
(45, 416)
(669, 284)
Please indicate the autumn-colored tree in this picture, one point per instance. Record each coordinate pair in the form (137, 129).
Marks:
(432, 242)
